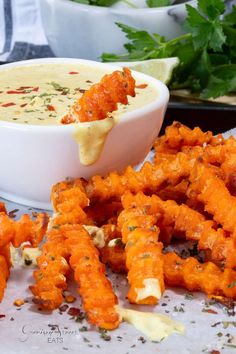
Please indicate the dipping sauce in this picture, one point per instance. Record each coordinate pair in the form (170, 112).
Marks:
(43, 94)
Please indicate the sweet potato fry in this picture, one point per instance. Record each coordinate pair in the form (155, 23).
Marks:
(50, 278)
(195, 276)
(150, 178)
(69, 200)
(144, 259)
(212, 192)
(178, 136)
(102, 98)
(22, 230)
(99, 300)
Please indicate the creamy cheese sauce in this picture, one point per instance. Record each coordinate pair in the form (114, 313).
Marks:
(29, 256)
(153, 325)
(151, 288)
(97, 235)
(43, 94)
(91, 137)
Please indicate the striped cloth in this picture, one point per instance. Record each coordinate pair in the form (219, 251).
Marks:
(21, 32)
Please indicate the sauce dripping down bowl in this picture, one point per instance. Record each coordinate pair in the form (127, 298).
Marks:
(33, 157)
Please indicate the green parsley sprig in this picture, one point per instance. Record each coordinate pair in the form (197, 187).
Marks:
(207, 52)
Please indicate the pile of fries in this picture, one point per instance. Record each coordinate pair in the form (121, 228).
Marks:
(188, 193)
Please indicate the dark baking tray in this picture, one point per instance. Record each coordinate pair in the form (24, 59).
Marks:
(208, 116)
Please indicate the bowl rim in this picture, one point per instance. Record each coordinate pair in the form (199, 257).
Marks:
(125, 10)
(161, 100)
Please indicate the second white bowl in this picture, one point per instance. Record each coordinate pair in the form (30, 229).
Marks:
(84, 31)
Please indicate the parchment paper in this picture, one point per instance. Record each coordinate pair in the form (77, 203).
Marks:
(27, 330)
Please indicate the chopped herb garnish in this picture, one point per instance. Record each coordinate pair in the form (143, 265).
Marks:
(83, 329)
(188, 296)
(215, 324)
(58, 87)
(40, 275)
(142, 339)
(231, 285)
(12, 213)
(56, 227)
(80, 317)
(132, 228)
(178, 309)
(129, 243)
(28, 262)
(104, 335)
(226, 324)
(146, 255)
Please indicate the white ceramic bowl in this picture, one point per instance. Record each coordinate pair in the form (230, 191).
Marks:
(83, 31)
(34, 157)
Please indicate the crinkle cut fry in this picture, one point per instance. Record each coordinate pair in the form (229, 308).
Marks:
(22, 230)
(102, 98)
(178, 135)
(99, 300)
(229, 165)
(222, 249)
(212, 192)
(16, 232)
(50, 278)
(69, 201)
(210, 150)
(195, 276)
(144, 259)
(150, 178)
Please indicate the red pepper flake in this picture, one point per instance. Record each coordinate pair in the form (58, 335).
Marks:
(74, 311)
(17, 92)
(24, 88)
(50, 108)
(141, 86)
(8, 104)
(210, 311)
(2, 316)
(35, 89)
(215, 351)
(73, 72)
(23, 105)
(63, 308)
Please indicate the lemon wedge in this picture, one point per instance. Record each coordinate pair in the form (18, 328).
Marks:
(160, 69)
